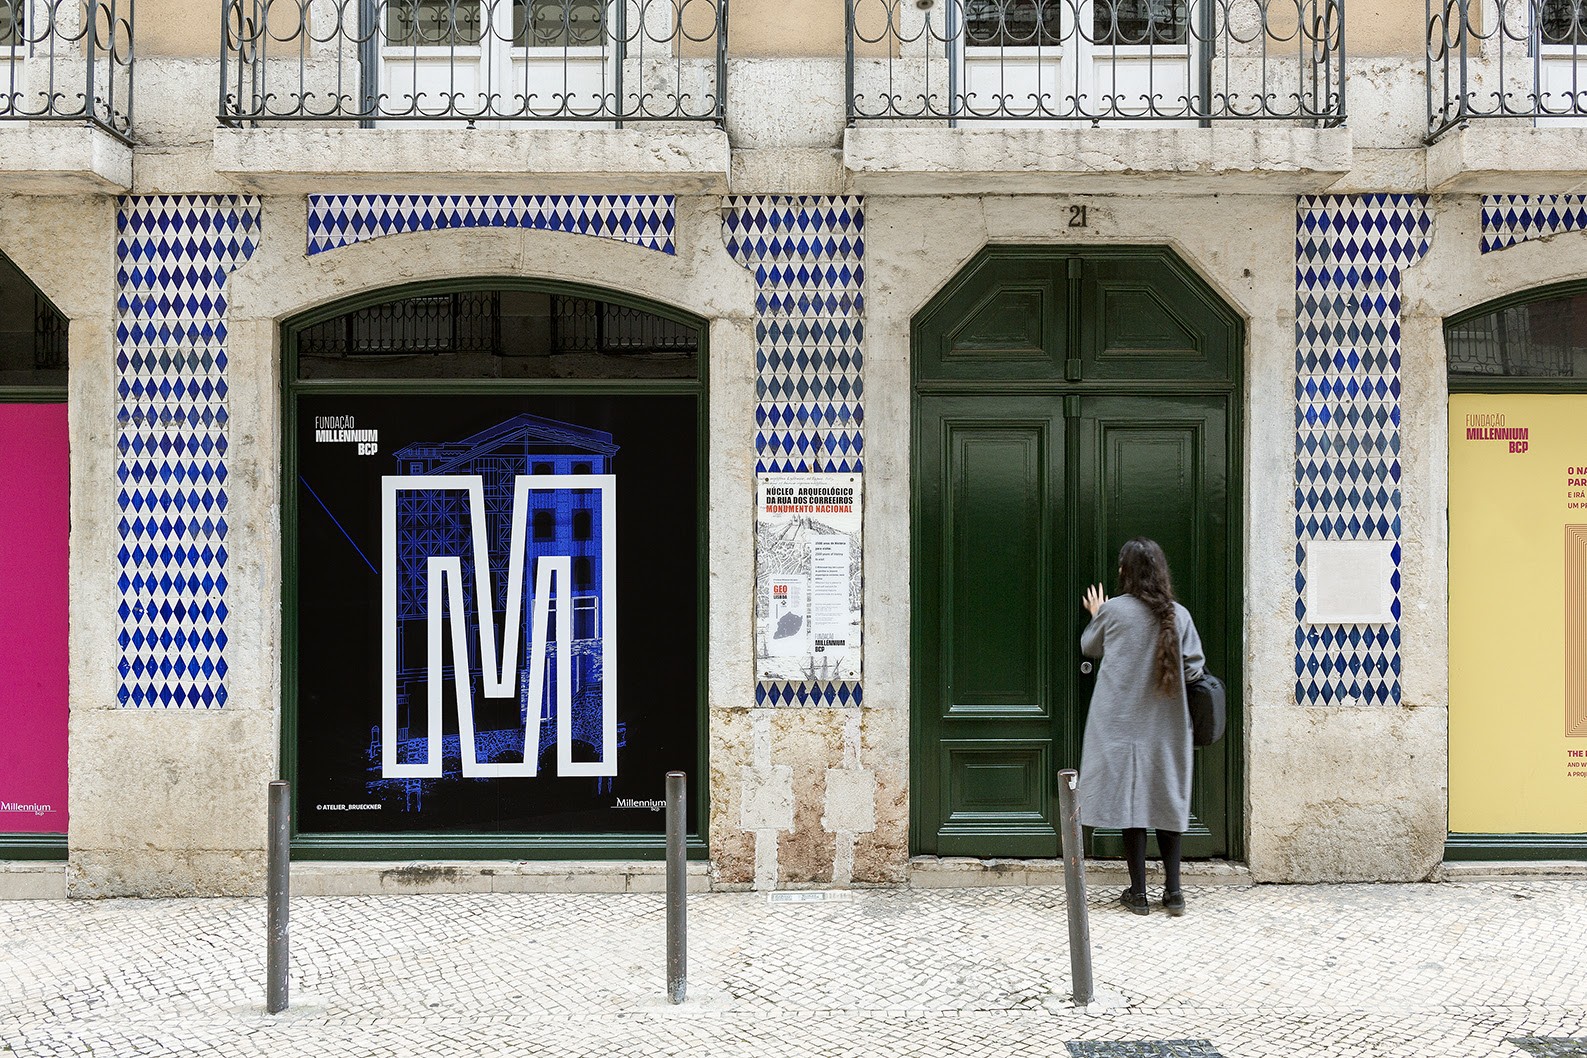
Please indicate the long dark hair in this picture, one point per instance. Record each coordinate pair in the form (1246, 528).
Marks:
(1143, 573)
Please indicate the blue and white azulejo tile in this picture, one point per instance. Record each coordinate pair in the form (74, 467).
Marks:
(1350, 255)
(342, 220)
(174, 255)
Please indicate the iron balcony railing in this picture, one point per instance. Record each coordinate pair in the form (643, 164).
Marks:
(1523, 59)
(67, 60)
(1182, 61)
(394, 62)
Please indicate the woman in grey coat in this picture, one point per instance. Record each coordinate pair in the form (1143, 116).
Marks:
(1135, 759)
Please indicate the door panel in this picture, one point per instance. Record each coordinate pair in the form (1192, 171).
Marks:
(998, 613)
(1142, 321)
(985, 545)
(1011, 329)
(997, 791)
(1158, 467)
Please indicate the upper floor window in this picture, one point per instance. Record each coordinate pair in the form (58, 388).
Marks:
(1561, 22)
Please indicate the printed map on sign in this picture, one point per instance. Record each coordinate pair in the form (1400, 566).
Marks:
(807, 577)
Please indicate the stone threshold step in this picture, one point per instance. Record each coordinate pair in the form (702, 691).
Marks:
(954, 872)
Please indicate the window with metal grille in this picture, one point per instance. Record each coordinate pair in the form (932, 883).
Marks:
(584, 325)
(1538, 339)
(431, 23)
(1562, 22)
(442, 323)
(12, 26)
(558, 23)
(1126, 22)
(498, 334)
(1013, 23)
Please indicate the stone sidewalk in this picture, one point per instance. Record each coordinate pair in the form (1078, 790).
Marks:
(1469, 968)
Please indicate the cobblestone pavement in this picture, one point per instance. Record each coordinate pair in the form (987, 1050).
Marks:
(1458, 968)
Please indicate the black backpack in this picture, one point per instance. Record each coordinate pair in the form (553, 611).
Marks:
(1208, 709)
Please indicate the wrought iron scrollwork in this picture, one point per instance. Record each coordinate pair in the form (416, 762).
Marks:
(374, 61)
(67, 60)
(1505, 59)
(1193, 61)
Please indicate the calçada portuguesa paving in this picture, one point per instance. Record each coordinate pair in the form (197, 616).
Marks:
(1470, 968)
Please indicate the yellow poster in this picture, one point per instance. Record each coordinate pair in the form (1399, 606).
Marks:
(1517, 614)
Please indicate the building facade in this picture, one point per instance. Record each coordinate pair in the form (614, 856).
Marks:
(470, 412)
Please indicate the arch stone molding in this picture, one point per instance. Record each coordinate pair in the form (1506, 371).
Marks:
(699, 277)
(1459, 275)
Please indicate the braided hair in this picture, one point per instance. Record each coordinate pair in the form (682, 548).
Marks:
(1143, 573)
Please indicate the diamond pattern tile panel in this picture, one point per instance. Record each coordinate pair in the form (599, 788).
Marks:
(808, 258)
(174, 254)
(1350, 252)
(341, 220)
(1511, 219)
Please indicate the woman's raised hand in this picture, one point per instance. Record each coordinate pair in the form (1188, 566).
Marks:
(1094, 598)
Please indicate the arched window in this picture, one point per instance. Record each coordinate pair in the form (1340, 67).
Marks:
(1540, 336)
(439, 427)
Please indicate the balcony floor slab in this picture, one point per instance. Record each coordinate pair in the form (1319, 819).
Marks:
(1486, 157)
(294, 160)
(45, 158)
(1269, 159)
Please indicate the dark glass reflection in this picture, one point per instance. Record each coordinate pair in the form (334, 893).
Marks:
(1540, 339)
(498, 334)
(1563, 22)
(1013, 23)
(32, 333)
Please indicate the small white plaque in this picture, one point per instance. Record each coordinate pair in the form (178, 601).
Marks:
(1349, 582)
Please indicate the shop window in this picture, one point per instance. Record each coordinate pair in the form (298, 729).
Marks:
(32, 333)
(35, 496)
(496, 394)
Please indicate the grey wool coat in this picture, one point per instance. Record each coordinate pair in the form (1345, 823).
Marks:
(1135, 758)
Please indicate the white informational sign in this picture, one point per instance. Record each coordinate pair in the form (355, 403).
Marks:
(1349, 582)
(807, 576)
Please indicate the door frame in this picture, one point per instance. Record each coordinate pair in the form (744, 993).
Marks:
(924, 753)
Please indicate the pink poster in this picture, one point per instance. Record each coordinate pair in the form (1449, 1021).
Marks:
(33, 532)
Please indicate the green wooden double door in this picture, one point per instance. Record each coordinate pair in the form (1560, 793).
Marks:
(1066, 400)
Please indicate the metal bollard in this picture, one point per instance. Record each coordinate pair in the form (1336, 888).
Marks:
(677, 889)
(277, 886)
(1075, 886)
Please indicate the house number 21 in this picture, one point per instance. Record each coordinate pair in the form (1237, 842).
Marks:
(1077, 217)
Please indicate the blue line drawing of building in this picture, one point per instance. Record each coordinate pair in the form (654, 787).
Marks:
(562, 521)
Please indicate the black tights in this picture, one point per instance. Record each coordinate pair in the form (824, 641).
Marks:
(1168, 842)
